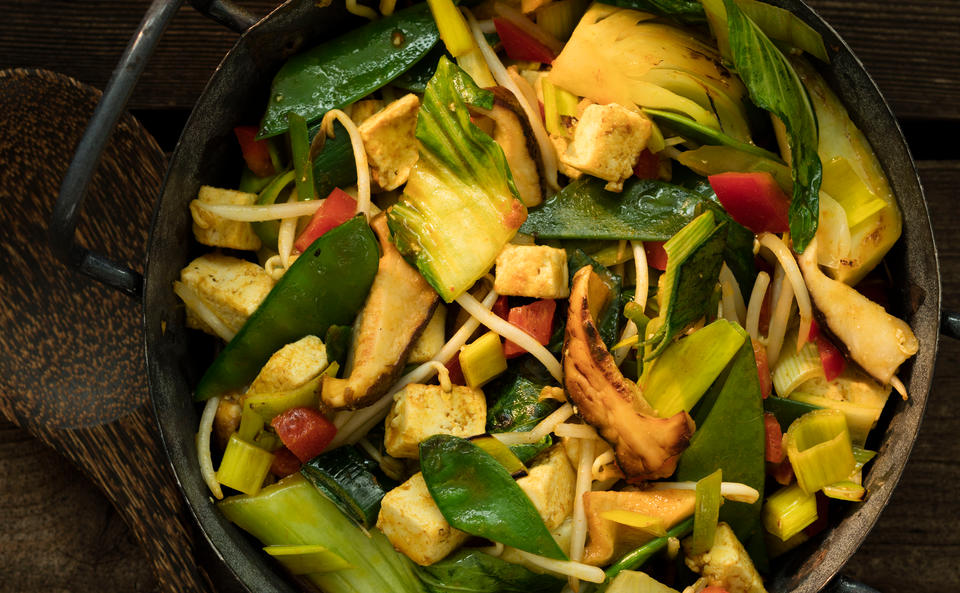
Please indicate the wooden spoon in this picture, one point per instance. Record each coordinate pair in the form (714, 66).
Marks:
(72, 369)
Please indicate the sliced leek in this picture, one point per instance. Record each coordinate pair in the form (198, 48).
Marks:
(845, 490)
(796, 367)
(244, 466)
(707, 512)
(818, 445)
(307, 559)
(789, 511)
(482, 359)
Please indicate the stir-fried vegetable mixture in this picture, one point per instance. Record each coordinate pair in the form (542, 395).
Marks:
(538, 295)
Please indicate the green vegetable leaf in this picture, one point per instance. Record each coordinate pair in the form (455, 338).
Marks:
(460, 205)
(731, 437)
(775, 86)
(513, 404)
(470, 571)
(685, 11)
(477, 495)
(646, 210)
(340, 71)
(694, 257)
(688, 128)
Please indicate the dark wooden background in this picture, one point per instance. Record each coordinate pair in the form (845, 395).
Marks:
(58, 533)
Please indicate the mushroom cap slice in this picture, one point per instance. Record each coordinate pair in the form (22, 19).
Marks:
(646, 447)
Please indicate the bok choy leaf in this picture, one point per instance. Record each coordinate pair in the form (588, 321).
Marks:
(460, 205)
(775, 86)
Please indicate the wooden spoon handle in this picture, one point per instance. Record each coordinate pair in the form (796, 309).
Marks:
(125, 459)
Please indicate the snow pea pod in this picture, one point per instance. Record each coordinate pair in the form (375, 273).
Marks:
(325, 286)
(349, 67)
(477, 495)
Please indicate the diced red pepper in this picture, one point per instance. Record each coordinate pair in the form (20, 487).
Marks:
(774, 447)
(823, 507)
(831, 359)
(782, 472)
(647, 165)
(814, 332)
(255, 152)
(284, 463)
(656, 255)
(455, 372)
(763, 369)
(535, 319)
(305, 431)
(338, 208)
(520, 46)
(754, 200)
(501, 307)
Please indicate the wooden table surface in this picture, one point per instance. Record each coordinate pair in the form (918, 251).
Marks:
(58, 533)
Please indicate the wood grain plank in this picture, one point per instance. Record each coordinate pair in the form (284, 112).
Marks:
(912, 49)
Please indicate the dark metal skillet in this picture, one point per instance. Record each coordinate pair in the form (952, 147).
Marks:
(205, 154)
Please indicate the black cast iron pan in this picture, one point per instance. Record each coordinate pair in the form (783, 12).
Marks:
(206, 154)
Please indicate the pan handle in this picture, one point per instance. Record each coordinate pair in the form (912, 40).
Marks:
(950, 324)
(842, 584)
(73, 189)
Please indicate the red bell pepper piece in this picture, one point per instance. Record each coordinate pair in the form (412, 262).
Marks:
(774, 452)
(763, 369)
(501, 307)
(255, 152)
(338, 208)
(520, 46)
(831, 359)
(656, 255)
(455, 372)
(535, 319)
(782, 472)
(647, 165)
(284, 463)
(304, 431)
(754, 200)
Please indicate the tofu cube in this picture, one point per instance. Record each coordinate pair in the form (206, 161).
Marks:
(421, 411)
(432, 339)
(291, 366)
(551, 485)
(415, 526)
(229, 287)
(534, 271)
(607, 142)
(726, 564)
(388, 137)
(216, 231)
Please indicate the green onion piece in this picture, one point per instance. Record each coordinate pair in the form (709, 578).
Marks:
(272, 404)
(307, 559)
(789, 511)
(637, 557)
(251, 423)
(300, 151)
(274, 151)
(482, 359)
(244, 466)
(845, 490)
(251, 184)
(707, 512)
(557, 104)
(818, 445)
(452, 26)
(794, 368)
(693, 130)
